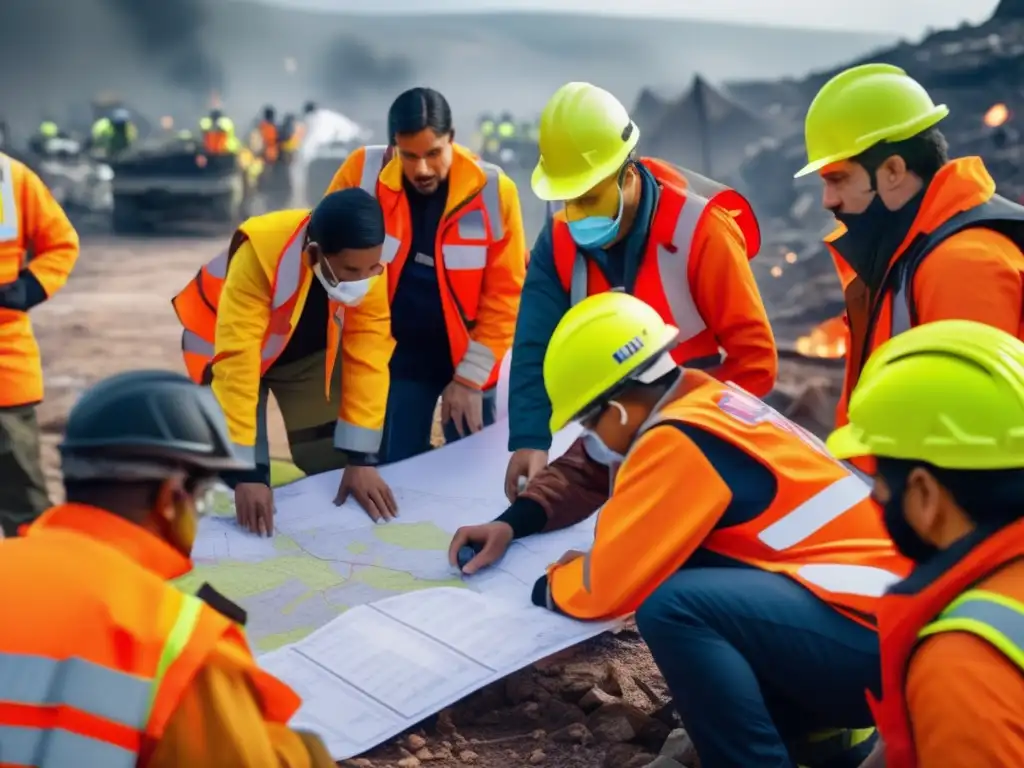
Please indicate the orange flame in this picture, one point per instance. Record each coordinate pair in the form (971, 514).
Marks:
(997, 115)
(827, 339)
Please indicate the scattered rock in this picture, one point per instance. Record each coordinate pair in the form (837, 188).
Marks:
(445, 725)
(574, 733)
(414, 741)
(468, 756)
(679, 747)
(538, 734)
(661, 761)
(596, 697)
(537, 757)
(620, 722)
(424, 754)
(619, 755)
(408, 762)
(357, 762)
(557, 714)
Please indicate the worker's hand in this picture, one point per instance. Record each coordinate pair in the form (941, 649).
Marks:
(254, 508)
(491, 538)
(370, 490)
(464, 406)
(569, 556)
(524, 463)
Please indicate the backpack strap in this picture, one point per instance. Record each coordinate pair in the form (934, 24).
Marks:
(998, 214)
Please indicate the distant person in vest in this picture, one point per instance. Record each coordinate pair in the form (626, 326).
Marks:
(941, 409)
(753, 560)
(108, 663)
(456, 256)
(920, 237)
(296, 296)
(218, 132)
(674, 239)
(38, 250)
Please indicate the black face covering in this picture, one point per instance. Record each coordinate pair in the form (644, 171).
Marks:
(873, 236)
(907, 542)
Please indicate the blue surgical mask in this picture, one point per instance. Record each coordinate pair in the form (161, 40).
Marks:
(596, 449)
(597, 231)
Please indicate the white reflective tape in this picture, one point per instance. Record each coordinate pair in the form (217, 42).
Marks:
(273, 346)
(815, 513)
(477, 364)
(463, 257)
(10, 216)
(373, 160)
(351, 437)
(472, 225)
(901, 299)
(674, 269)
(218, 265)
(578, 284)
(391, 247)
(190, 342)
(862, 580)
(491, 194)
(289, 269)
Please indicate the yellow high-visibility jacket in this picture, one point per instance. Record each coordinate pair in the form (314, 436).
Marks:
(268, 269)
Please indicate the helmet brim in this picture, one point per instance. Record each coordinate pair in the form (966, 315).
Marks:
(559, 189)
(845, 443)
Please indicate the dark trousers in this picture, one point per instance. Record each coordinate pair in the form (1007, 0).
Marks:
(410, 418)
(754, 661)
(23, 495)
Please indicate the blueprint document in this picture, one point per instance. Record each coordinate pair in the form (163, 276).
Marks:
(369, 623)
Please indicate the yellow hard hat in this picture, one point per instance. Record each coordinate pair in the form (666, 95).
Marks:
(861, 107)
(601, 343)
(585, 136)
(950, 393)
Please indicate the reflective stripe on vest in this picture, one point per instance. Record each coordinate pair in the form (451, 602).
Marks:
(996, 618)
(286, 284)
(76, 684)
(471, 224)
(901, 299)
(673, 271)
(10, 220)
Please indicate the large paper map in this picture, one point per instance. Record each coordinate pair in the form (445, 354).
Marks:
(369, 623)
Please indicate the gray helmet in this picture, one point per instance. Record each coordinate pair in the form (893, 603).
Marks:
(138, 425)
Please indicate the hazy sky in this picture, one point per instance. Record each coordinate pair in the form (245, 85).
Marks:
(907, 18)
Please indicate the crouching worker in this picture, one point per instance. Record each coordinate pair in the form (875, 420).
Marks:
(753, 560)
(108, 664)
(941, 407)
(294, 292)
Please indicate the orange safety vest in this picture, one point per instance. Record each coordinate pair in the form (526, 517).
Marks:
(669, 263)
(463, 240)
(196, 306)
(215, 141)
(94, 668)
(902, 616)
(822, 529)
(268, 133)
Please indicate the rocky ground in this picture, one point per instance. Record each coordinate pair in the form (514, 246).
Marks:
(600, 704)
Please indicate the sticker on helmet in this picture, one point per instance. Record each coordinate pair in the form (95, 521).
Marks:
(627, 350)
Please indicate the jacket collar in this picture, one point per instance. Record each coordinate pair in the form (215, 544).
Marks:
(131, 540)
(465, 178)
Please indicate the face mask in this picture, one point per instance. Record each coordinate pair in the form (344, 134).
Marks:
(903, 536)
(597, 449)
(873, 236)
(349, 293)
(597, 231)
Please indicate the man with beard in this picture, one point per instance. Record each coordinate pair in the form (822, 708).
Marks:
(920, 237)
(941, 409)
(456, 260)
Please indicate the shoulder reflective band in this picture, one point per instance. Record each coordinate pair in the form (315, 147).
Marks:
(994, 617)
(107, 694)
(10, 220)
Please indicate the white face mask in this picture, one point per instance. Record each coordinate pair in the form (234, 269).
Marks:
(597, 449)
(349, 293)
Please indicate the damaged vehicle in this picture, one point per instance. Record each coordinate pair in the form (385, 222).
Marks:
(173, 182)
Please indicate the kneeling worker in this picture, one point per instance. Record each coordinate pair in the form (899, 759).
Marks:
(941, 408)
(294, 292)
(121, 668)
(755, 560)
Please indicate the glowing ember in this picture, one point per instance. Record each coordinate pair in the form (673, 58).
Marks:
(997, 115)
(828, 339)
